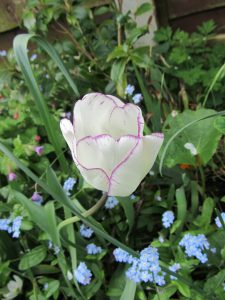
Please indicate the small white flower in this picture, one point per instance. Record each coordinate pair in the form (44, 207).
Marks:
(14, 288)
(151, 173)
(174, 113)
(158, 198)
(69, 275)
(191, 147)
(161, 239)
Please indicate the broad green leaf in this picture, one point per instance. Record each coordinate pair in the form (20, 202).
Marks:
(165, 293)
(183, 288)
(118, 52)
(214, 282)
(118, 75)
(179, 131)
(203, 135)
(220, 124)
(135, 33)
(32, 258)
(129, 290)
(52, 288)
(143, 8)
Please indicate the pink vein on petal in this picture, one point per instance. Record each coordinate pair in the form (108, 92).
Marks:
(77, 162)
(118, 166)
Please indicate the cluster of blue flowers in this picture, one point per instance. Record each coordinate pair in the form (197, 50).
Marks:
(130, 90)
(93, 249)
(3, 53)
(146, 268)
(168, 218)
(83, 274)
(111, 202)
(68, 185)
(86, 231)
(12, 226)
(217, 220)
(194, 246)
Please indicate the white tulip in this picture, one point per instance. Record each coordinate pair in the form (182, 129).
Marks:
(107, 143)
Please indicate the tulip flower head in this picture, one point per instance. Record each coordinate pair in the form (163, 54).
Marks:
(107, 143)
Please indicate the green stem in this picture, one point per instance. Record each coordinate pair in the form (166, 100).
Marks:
(85, 214)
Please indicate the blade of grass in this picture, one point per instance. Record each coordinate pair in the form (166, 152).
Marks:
(219, 75)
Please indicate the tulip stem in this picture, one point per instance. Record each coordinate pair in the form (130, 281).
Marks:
(85, 214)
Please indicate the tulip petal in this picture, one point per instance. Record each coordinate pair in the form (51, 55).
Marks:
(68, 134)
(106, 114)
(95, 177)
(126, 176)
(103, 151)
(126, 120)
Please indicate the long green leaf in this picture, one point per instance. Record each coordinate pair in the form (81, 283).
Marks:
(129, 290)
(181, 206)
(45, 45)
(20, 48)
(43, 217)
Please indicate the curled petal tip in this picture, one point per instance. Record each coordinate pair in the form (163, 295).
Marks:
(158, 134)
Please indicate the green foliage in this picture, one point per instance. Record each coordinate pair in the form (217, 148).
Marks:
(192, 61)
(94, 47)
(203, 136)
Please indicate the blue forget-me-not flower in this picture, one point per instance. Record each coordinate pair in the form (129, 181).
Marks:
(194, 246)
(83, 274)
(129, 90)
(86, 231)
(217, 220)
(168, 218)
(93, 249)
(111, 202)
(68, 185)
